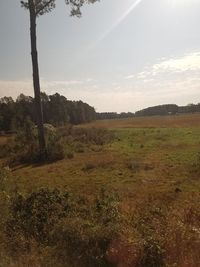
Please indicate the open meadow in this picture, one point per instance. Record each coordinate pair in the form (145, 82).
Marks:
(151, 166)
(145, 153)
(100, 133)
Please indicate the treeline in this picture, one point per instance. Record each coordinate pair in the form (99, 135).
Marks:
(113, 115)
(169, 109)
(57, 110)
(160, 110)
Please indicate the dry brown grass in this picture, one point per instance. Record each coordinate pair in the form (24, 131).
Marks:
(191, 120)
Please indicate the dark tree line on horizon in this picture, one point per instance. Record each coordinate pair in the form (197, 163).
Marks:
(160, 110)
(168, 109)
(113, 115)
(57, 110)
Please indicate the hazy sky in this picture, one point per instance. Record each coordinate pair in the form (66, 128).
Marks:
(122, 55)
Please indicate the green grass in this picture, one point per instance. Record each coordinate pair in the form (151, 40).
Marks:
(162, 158)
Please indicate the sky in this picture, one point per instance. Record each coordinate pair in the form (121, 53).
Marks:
(121, 55)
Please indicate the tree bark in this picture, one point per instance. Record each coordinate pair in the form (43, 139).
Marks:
(36, 81)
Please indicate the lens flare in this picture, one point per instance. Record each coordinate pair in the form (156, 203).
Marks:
(119, 20)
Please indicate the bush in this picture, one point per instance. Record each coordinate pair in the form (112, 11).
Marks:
(148, 219)
(78, 231)
(91, 136)
(54, 145)
(4, 194)
(182, 234)
(84, 238)
(24, 148)
(62, 229)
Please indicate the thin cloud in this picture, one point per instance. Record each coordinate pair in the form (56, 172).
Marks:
(174, 80)
(129, 77)
(189, 62)
(61, 83)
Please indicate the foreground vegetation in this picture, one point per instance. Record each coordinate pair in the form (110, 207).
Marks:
(127, 196)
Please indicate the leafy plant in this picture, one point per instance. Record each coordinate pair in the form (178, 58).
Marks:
(24, 147)
(74, 227)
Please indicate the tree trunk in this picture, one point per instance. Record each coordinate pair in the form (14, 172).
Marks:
(36, 81)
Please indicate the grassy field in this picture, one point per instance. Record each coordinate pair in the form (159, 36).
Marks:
(151, 162)
(156, 157)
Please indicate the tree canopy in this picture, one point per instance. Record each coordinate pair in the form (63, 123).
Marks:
(57, 109)
(45, 6)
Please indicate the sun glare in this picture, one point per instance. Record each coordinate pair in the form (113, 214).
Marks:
(119, 20)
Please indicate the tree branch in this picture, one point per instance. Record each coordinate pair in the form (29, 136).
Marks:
(42, 8)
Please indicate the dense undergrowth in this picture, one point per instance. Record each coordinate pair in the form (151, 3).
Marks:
(59, 228)
(60, 143)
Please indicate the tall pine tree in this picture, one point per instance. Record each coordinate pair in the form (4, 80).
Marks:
(37, 8)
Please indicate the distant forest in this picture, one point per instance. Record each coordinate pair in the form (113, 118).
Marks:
(113, 115)
(57, 110)
(169, 109)
(161, 110)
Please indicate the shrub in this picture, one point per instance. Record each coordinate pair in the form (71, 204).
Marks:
(82, 242)
(54, 145)
(35, 215)
(79, 147)
(78, 231)
(88, 135)
(24, 148)
(107, 207)
(148, 219)
(4, 194)
(84, 239)
(182, 235)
